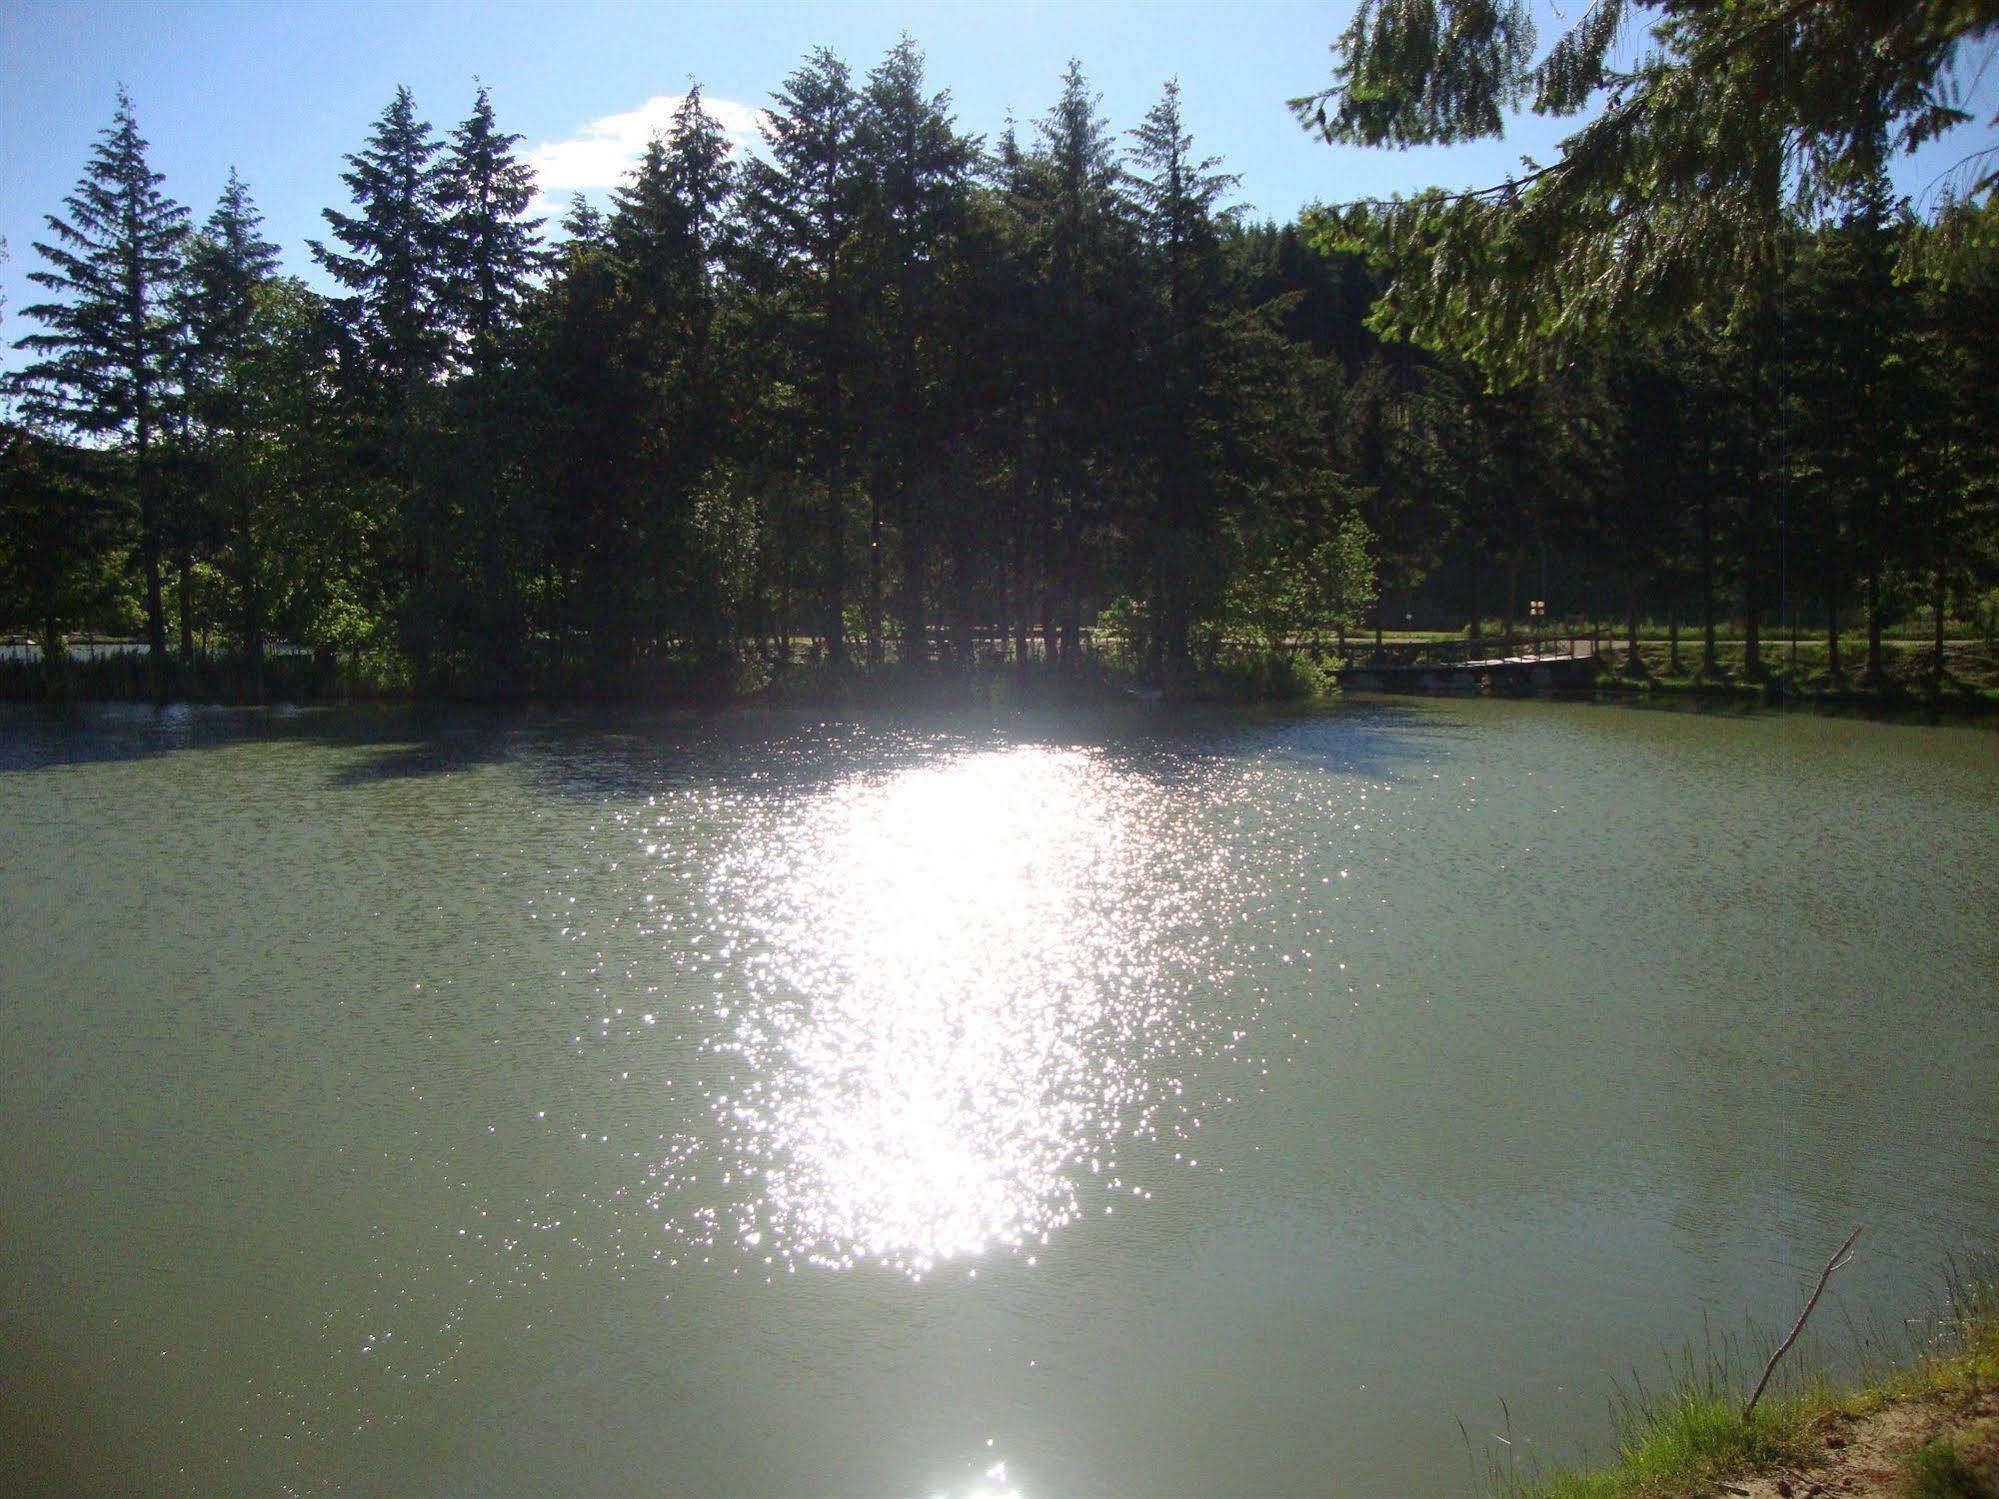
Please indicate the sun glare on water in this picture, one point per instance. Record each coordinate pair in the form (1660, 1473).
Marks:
(958, 977)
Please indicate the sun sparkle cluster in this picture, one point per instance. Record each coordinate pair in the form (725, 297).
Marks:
(956, 973)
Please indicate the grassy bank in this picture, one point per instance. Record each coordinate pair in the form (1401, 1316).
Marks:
(1923, 1427)
(1971, 667)
(134, 677)
(1804, 677)
(1238, 676)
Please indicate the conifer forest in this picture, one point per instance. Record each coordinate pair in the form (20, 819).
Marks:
(885, 400)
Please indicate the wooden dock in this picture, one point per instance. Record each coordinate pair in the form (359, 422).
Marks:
(1463, 667)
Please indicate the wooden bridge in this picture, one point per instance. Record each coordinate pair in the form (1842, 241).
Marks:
(1539, 664)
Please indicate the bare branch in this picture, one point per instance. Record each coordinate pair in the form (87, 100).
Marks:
(1839, 1257)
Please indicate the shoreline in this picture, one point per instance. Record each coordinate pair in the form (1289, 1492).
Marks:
(297, 679)
(1926, 1429)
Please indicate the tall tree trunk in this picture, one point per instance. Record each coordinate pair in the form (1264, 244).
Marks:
(183, 568)
(250, 577)
(964, 646)
(1072, 587)
(1938, 600)
(1752, 616)
(1874, 625)
(149, 541)
(1673, 632)
(55, 658)
(1476, 632)
(835, 624)
(1710, 661)
(915, 617)
(1832, 631)
(912, 458)
(1022, 584)
(875, 571)
(1049, 568)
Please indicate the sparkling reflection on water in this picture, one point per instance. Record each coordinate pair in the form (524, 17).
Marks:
(476, 1107)
(961, 983)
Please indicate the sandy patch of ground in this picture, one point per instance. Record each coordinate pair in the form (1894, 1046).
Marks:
(1860, 1457)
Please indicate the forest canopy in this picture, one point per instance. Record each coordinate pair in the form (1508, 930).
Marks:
(1731, 124)
(886, 396)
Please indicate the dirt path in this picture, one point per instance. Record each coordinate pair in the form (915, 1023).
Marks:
(1860, 1457)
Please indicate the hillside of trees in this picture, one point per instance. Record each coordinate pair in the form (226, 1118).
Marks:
(889, 399)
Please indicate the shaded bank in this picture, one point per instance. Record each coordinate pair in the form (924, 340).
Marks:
(1096, 676)
(1970, 690)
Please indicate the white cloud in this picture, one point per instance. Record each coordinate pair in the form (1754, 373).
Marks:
(603, 151)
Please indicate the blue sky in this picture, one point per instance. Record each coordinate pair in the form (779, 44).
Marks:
(283, 90)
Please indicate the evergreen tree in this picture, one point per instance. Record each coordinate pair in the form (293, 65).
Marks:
(1669, 196)
(392, 269)
(670, 229)
(106, 360)
(1850, 413)
(584, 223)
(61, 524)
(1949, 481)
(581, 424)
(487, 248)
(311, 540)
(392, 263)
(807, 205)
(486, 245)
(228, 263)
(921, 170)
(1181, 214)
(227, 260)
(1079, 223)
(1030, 389)
(999, 308)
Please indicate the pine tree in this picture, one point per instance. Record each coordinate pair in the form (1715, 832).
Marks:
(487, 246)
(1668, 197)
(107, 358)
(392, 269)
(227, 261)
(667, 229)
(61, 526)
(584, 223)
(228, 264)
(807, 205)
(393, 240)
(921, 170)
(1179, 199)
(1004, 343)
(666, 223)
(1079, 222)
(702, 181)
(580, 430)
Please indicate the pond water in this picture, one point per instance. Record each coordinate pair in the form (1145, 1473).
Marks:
(1132, 1103)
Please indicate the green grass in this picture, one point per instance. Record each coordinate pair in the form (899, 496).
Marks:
(1693, 1441)
(1971, 675)
(1952, 1467)
(1690, 1438)
(1693, 1437)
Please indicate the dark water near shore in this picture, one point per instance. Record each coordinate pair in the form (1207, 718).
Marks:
(1127, 1104)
